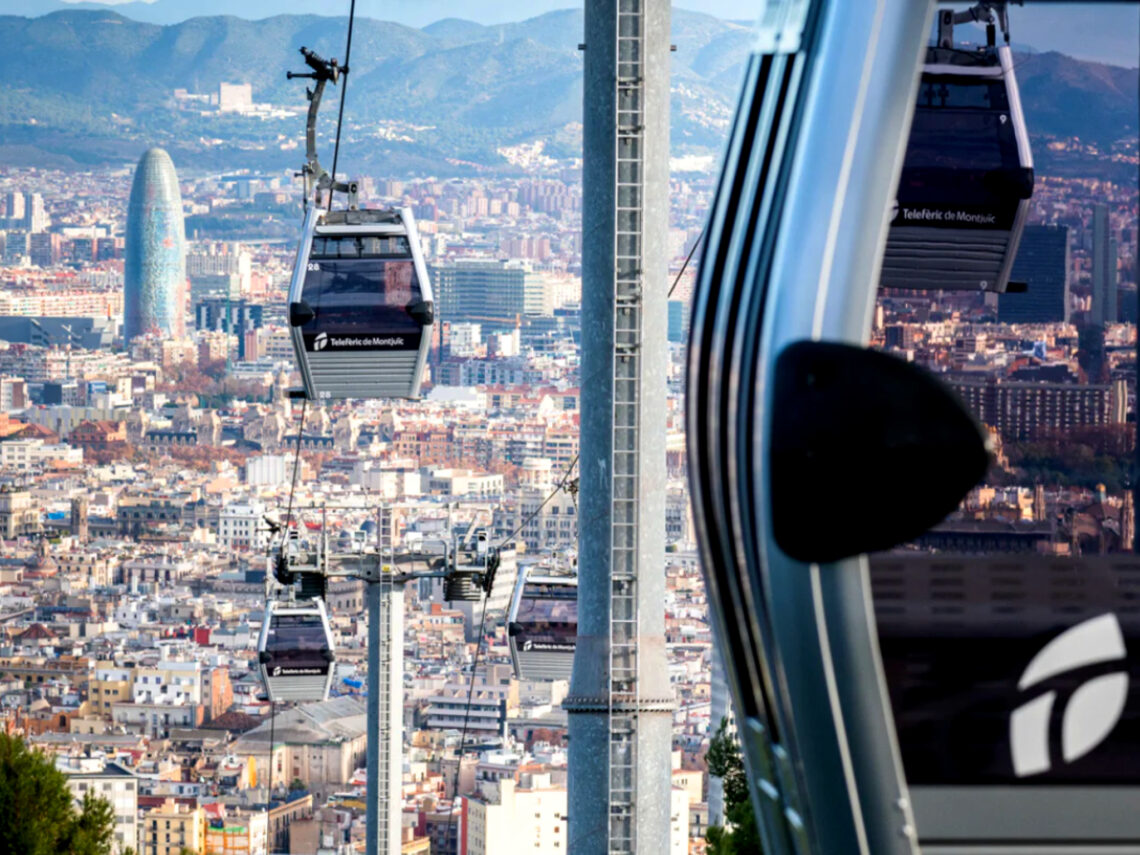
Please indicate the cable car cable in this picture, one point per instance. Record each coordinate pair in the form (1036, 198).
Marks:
(293, 479)
(688, 258)
(530, 518)
(343, 92)
(336, 157)
(479, 641)
(466, 719)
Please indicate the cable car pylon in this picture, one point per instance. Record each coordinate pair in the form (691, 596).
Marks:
(300, 571)
(620, 714)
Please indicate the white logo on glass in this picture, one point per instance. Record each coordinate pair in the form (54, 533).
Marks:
(321, 341)
(1094, 708)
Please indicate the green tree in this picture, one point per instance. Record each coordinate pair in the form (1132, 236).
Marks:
(93, 829)
(37, 815)
(739, 836)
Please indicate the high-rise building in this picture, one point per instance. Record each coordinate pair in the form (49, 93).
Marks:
(44, 248)
(507, 817)
(114, 783)
(487, 291)
(219, 268)
(15, 247)
(1025, 412)
(1042, 263)
(14, 207)
(35, 215)
(173, 828)
(1103, 268)
(678, 321)
(243, 317)
(155, 269)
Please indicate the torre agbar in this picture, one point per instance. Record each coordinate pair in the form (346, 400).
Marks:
(155, 269)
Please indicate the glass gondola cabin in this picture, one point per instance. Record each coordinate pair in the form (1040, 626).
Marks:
(295, 651)
(543, 625)
(966, 180)
(360, 305)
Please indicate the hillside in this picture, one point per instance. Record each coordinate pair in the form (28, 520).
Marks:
(86, 87)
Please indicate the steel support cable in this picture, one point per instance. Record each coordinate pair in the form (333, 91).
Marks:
(688, 258)
(466, 719)
(293, 479)
(336, 158)
(530, 518)
(479, 644)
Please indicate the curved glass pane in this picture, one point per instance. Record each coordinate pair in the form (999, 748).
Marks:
(297, 642)
(362, 295)
(548, 615)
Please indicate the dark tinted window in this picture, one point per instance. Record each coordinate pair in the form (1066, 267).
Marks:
(954, 93)
(961, 124)
(960, 139)
(297, 639)
(549, 603)
(548, 614)
(362, 295)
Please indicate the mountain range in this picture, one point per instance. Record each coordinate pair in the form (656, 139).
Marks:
(414, 13)
(1098, 32)
(93, 86)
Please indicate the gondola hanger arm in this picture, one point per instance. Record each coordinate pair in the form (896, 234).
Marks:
(315, 176)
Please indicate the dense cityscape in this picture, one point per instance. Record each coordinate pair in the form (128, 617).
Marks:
(147, 434)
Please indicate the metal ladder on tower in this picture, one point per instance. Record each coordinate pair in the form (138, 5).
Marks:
(385, 546)
(624, 613)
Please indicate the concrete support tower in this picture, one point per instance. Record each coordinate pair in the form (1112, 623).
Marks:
(620, 700)
(385, 706)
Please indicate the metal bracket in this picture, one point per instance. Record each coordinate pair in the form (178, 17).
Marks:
(989, 12)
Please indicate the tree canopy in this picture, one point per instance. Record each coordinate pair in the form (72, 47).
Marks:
(37, 813)
(739, 835)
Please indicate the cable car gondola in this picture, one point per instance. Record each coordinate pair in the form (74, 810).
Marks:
(967, 177)
(295, 651)
(360, 305)
(543, 625)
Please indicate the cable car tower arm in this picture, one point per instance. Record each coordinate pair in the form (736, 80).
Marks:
(989, 12)
(315, 176)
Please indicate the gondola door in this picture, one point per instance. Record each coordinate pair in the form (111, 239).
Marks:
(783, 302)
(1010, 677)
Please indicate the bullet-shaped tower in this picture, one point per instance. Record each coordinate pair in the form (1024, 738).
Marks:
(620, 700)
(154, 274)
